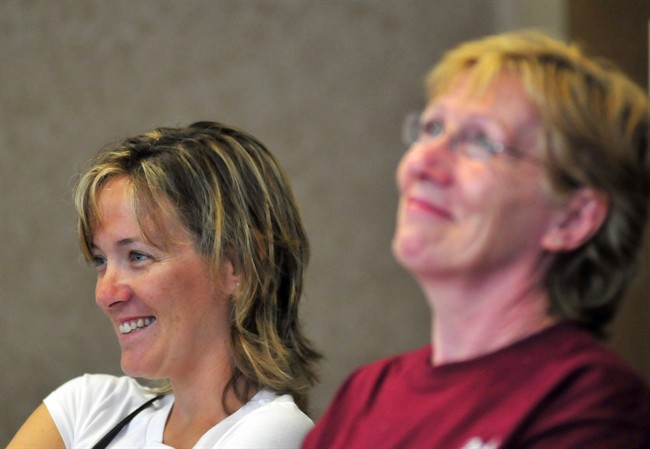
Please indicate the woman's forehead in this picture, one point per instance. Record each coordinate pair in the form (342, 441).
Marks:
(158, 221)
(503, 98)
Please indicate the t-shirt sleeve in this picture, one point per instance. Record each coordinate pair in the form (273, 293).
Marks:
(63, 404)
(87, 406)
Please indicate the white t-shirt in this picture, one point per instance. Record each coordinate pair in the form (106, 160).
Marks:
(86, 408)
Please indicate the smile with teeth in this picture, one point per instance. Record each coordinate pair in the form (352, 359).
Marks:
(130, 326)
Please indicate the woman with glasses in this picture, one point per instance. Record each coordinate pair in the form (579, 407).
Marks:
(523, 201)
(200, 250)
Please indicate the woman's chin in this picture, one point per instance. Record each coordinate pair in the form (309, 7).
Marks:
(134, 369)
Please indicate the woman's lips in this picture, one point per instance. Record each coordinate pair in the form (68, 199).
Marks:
(419, 205)
(128, 326)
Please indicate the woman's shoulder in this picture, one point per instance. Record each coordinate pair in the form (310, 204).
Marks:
(102, 386)
(570, 348)
(97, 392)
(86, 407)
(268, 420)
(104, 381)
(578, 375)
(383, 373)
(268, 407)
(393, 366)
(581, 384)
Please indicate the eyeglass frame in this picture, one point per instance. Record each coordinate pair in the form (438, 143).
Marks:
(414, 131)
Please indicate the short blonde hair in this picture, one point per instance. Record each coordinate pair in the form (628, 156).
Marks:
(230, 193)
(596, 124)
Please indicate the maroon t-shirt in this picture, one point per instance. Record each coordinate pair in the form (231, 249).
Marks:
(559, 389)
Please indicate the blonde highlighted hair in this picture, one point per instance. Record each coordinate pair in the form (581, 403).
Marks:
(595, 134)
(229, 192)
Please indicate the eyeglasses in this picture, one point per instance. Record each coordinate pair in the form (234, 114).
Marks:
(473, 144)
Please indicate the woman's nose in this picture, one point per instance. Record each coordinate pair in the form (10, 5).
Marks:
(111, 289)
(430, 159)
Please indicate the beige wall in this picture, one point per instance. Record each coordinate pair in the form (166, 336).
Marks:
(324, 83)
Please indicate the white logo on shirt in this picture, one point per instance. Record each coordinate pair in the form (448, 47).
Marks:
(478, 443)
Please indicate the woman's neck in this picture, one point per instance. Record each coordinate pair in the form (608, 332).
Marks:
(473, 320)
(200, 403)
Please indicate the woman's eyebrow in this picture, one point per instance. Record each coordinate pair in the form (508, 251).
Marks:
(120, 243)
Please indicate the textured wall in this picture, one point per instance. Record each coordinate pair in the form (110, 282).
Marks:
(325, 84)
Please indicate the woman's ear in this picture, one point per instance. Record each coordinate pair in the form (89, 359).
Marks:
(577, 221)
(231, 277)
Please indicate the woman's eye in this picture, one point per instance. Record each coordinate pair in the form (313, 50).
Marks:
(478, 137)
(433, 128)
(138, 257)
(98, 261)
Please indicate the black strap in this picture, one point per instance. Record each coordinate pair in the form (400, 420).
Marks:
(104, 442)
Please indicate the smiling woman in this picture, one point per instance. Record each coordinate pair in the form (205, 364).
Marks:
(169, 310)
(489, 223)
(523, 201)
(200, 250)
